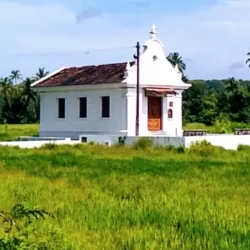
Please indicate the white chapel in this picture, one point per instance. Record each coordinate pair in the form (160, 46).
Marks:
(101, 99)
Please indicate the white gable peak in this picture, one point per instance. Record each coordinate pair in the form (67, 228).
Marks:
(155, 69)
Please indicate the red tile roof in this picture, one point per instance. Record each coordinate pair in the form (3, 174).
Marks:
(106, 73)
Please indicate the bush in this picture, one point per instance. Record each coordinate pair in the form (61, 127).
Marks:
(222, 125)
(180, 149)
(143, 143)
(243, 147)
(50, 146)
(170, 148)
(204, 148)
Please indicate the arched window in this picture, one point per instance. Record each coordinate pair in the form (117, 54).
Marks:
(170, 113)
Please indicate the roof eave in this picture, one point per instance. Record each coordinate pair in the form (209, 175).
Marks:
(47, 76)
(79, 87)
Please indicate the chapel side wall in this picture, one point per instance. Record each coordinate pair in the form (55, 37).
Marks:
(72, 126)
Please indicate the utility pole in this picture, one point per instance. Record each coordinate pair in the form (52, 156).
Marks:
(137, 57)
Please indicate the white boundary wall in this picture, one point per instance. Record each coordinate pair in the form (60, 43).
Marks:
(225, 141)
(38, 143)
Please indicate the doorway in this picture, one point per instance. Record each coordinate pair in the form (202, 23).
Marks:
(154, 113)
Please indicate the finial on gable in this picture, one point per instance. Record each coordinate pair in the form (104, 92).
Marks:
(153, 32)
(127, 69)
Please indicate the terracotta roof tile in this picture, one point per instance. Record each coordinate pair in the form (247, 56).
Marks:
(99, 74)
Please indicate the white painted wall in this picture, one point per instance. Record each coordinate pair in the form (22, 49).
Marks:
(72, 125)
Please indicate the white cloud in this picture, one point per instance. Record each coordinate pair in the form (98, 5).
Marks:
(212, 38)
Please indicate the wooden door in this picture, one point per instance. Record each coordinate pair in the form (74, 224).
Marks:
(154, 113)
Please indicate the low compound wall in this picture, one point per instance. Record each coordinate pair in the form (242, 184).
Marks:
(38, 143)
(225, 141)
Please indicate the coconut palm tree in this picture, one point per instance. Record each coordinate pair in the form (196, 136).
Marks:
(6, 89)
(185, 78)
(27, 93)
(176, 59)
(15, 76)
(248, 60)
(41, 73)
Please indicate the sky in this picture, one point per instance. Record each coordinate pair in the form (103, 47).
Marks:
(212, 36)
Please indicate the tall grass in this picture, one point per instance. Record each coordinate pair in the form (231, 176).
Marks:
(127, 198)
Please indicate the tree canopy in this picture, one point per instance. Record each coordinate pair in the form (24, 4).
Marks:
(18, 102)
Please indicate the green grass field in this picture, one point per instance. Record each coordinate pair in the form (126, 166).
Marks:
(123, 198)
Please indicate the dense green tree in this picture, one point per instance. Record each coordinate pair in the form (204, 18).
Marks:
(193, 101)
(19, 103)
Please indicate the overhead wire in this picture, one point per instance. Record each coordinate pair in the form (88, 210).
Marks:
(62, 53)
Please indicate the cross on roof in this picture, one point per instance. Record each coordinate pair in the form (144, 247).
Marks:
(153, 31)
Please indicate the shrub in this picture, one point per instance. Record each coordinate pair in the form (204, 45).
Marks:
(204, 148)
(18, 227)
(222, 125)
(180, 149)
(243, 147)
(143, 143)
(49, 146)
(170, 148)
